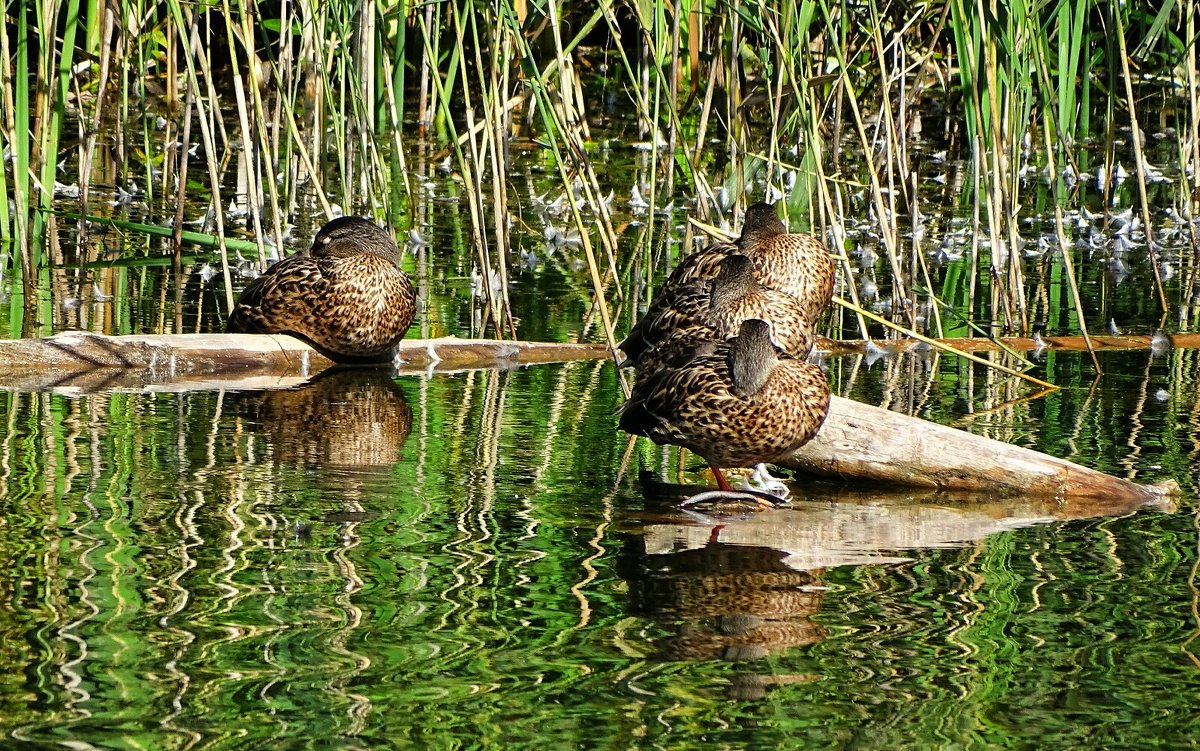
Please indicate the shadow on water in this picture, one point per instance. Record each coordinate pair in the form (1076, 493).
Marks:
(472, 555)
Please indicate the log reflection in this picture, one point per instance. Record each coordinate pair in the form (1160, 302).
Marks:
(742, 586)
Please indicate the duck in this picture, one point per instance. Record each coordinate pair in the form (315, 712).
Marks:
(346, 296)
(738, 403)
(712, 310)
(793, 262)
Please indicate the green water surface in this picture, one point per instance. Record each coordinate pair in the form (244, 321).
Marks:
(466, 561)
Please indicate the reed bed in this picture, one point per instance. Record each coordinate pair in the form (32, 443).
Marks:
(878, 125)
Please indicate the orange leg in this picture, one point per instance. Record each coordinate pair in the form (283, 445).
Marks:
(722, 483)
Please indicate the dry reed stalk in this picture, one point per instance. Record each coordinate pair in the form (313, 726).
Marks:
(18, 138)
(1069, 267)
(1002, 252)
(570, 130)
(267, 151)
(835, 219)
(184, 26)
(886, 216)
(884, 208)
(1059, 224)
(496, 144)
(706, 109)
(396, 126)
(181, 188)
(88, 144)
(248, 172)
(1136, 135)
(1191, 160)
(892, 141)
(942, 345)
(676, 74)
(973, 272)
(919, 261)
(546, 108)
(472, 184)
(424, 79)
(307, 157)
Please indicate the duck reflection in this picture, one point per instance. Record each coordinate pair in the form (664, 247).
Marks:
(726, 600)
(731, 601)
(351, 418)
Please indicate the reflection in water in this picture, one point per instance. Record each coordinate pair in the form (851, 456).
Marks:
(742, 587)
(349, 418)
(497, 580)
(724, 602)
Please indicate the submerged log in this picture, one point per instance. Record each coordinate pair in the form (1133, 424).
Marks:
(866, 443)
(1101, 343)
(858, 442)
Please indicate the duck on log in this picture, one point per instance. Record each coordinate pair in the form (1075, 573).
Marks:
(857, 442)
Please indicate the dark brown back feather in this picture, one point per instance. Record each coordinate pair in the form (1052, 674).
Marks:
(347, 297)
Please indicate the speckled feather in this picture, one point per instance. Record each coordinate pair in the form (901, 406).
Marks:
(713, 310)
(347, 295)
(795, 263)
(737, 404)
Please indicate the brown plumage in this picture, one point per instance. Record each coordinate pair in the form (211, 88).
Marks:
(795, 263)
(346, 296)
(713, 310)
(736, 404)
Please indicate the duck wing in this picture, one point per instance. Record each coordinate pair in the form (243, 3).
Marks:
(278, 301)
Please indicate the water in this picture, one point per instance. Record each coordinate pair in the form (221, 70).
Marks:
(475, 559)
(461, 560)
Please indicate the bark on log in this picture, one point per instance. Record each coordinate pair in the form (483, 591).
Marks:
(862, 442)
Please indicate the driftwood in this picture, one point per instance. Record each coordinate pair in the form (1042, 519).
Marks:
(82, 361)
(862, 442)
(857, 442)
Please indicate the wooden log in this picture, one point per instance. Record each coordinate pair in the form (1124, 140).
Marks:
(80, 358)
(857, 442)
(182, 354)
(866, 443)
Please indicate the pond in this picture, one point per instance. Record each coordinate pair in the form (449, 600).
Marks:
(480, 559)
(470, 560)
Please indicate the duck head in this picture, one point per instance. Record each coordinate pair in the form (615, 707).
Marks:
(752, 357)
(761, 223)
(352, 236)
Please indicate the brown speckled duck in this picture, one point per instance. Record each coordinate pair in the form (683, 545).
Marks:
(713, 310)
(346, 296)
(736, 404)
(796, 263)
